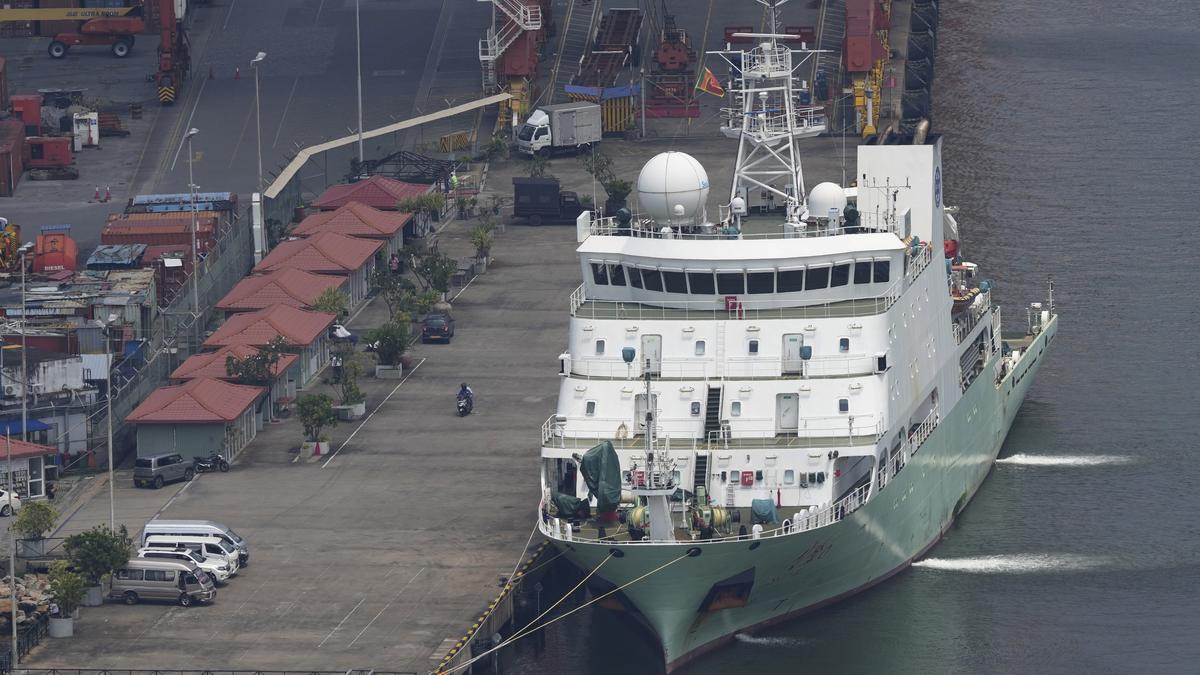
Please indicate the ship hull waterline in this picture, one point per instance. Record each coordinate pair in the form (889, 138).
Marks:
(799, 573)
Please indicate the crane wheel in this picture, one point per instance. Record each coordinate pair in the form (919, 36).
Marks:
(120, 48)
(57, 50)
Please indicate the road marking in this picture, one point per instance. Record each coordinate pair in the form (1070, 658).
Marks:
(279, 127)
(364, 422)
(175, 496)
(179, 149)
(242, 136)
(228, 14)
(389, 604)
(335, 628)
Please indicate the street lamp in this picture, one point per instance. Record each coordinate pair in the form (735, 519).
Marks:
(258, 114)
(112, 508)
(195, 266)
(358, 55)
(12, 535)
(24, 367)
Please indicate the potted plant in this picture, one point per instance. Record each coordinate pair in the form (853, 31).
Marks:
(392, 340)
(95, 554)
(33, 521)
(482, 237)
(69, 590)
(316, 412)
(354, 403)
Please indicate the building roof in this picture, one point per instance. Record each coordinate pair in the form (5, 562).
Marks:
(203, 400)
(212, 364)
(284, 286)
(22, 448)
(297, 326)
(376, 191)
(325, 253)
(355, 220)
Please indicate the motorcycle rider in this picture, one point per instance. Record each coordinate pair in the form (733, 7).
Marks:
(465, 392)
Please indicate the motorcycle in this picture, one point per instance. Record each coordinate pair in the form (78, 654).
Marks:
(214, 462)
(465, 405)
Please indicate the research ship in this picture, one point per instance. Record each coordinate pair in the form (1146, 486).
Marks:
(763, 413)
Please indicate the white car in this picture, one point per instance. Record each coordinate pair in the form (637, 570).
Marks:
(9, 503)
(218, 568)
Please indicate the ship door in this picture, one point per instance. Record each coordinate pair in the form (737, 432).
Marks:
(787, 413)
(792, 344)
(640, 408)
(652, 353)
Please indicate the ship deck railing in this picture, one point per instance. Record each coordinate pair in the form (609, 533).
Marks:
(733, 367)
(645, 228)
(812, 432)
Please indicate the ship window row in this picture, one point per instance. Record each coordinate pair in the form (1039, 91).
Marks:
(743, 282)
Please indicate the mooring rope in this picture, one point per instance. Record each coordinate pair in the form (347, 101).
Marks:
(525, 632)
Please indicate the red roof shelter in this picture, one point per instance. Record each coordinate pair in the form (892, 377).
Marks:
(196, 401)
(359, 220)
(285, 286)
(376, 191)
(211, 365)
(328, 253)
(297, 326)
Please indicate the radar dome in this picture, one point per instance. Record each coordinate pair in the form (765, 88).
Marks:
(825, 196)
(670, 180)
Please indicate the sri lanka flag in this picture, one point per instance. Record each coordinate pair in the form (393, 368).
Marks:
(709, 84)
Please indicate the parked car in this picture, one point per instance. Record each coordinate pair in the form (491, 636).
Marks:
(218, 568)
(158, 469)
(141, 579)
(207, 546)
(9, 503)
(231, 539)
(439, 327)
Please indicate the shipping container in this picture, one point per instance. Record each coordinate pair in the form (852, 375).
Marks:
(164, 230)
(18, 28)
(28, 107)
(52, 28)
(55, 250)
(3, 83)
(10, 169)
(49, 151)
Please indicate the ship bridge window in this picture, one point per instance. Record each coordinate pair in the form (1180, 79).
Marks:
(652, 279)
(600, 274)
(701, 283)
(816, 278)
(862, 271)
(760, 281)
(635, 278)
(731, 283)
(882, 271)
(616, 275)
(674, 281)
(790, 281)
(840, 276)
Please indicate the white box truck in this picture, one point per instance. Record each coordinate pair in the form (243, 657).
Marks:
(562, 127)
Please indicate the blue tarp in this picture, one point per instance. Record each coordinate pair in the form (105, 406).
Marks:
(13, 427)
(605, 93)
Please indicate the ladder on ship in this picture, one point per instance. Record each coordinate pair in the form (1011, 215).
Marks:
(700, 479)
(513, 18)
(572, 45)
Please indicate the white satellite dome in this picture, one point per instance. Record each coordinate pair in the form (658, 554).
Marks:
(825, 196)
(670, 180)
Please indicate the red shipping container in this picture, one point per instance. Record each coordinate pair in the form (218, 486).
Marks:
(55, 251)
(166, 229)
(28, 107)
(49, 151)
(10, 170)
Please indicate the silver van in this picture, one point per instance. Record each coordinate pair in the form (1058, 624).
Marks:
(209, 547)
(161, 580)
(202, 528)
(155, 470)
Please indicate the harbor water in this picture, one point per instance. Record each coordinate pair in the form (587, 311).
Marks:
(1071, 150)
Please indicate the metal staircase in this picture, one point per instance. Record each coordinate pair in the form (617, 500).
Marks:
(712, 411)
(576, 38)
(514, 18)
(700, 479)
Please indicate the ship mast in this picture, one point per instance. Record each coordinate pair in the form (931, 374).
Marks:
(658, 485)
(768, 119)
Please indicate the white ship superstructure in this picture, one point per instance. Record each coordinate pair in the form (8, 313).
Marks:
(760, 415)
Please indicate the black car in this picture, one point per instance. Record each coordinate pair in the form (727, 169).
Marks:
(437, 328)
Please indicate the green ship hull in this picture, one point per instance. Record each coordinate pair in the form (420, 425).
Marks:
(692, 603)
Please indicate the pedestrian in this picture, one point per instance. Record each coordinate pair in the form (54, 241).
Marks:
(336, 362)
(454, 183)
(394, 263)
(50, 490)
(55, 612)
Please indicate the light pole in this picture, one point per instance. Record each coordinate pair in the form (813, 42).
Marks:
(358, 55)
(195, 265)
(258, 114)
(112, 503)
(12, 556)
(24, 366)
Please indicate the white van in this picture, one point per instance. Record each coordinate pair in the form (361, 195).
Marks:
(199, 527)
(209, 547)
(216, 567)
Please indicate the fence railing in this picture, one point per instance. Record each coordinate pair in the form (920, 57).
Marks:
(28, 637)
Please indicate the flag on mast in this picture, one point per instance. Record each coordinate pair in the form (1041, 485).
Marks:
(709, 84)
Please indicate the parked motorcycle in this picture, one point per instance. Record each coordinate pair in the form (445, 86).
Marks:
(465, 405)
(214, 462)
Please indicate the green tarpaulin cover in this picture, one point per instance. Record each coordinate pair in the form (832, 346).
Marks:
(763, 510)
(569, 506)
(602, 473)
